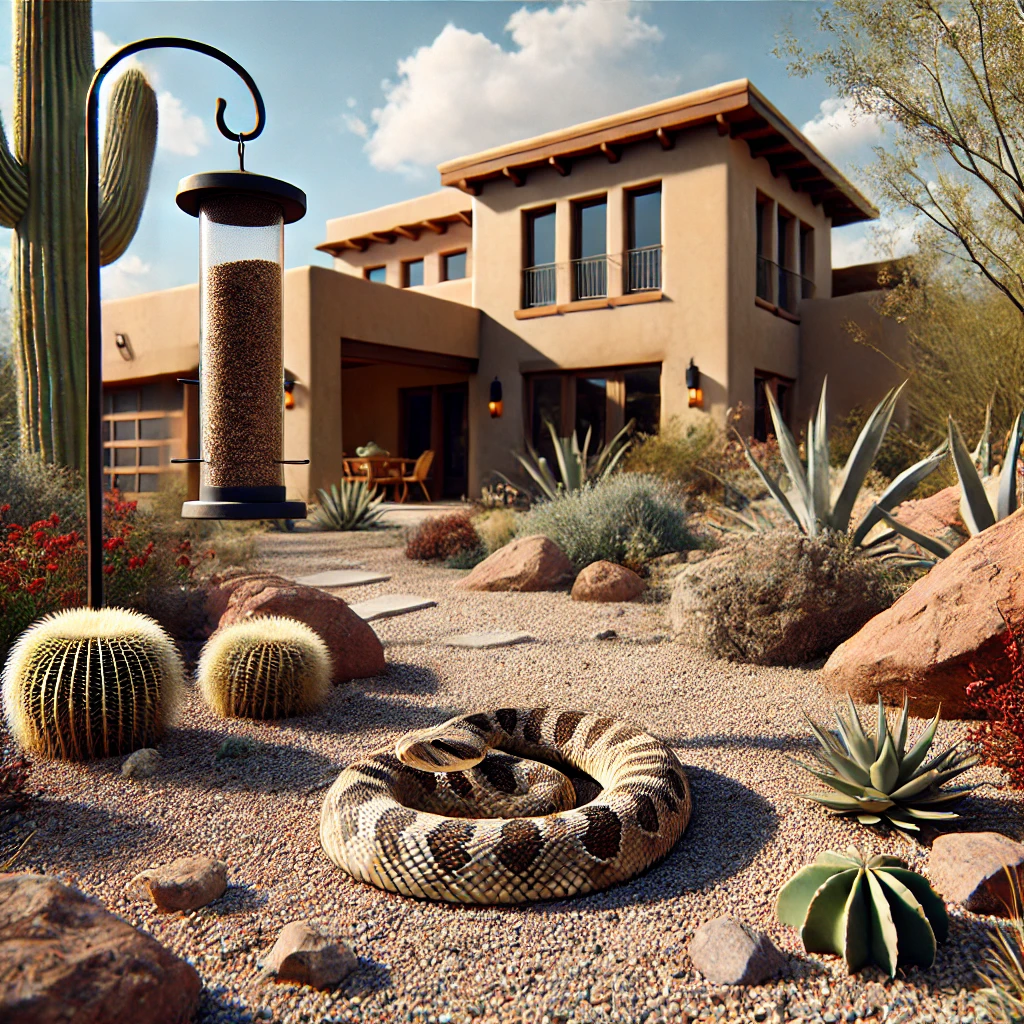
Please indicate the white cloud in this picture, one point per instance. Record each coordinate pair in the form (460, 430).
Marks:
(841, 132)
(104, 47)
(128, 276)
(464, 92)
(889, 237)
(356, 125)
(351, 102)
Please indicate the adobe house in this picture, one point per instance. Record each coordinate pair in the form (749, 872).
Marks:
(585, 270)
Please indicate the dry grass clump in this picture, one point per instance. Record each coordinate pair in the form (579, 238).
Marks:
(442, 537)
(678, 452)
(495, 527)
(780, 598)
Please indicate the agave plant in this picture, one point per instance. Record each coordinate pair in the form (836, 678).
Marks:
(353, 507)
(575, 467)
(873, 911)
(809, 503)
(977, 510)
(876, 779)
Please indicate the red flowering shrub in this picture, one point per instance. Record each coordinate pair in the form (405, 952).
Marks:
(1000, 697)
(43, 569)
(442, 537)
(14, 769)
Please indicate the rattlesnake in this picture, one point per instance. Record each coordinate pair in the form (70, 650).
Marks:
(450, 836)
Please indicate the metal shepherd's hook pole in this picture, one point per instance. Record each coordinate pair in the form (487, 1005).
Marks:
(94, 337)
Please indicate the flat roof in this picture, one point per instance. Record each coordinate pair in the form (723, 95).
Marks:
(407, 219)
(738, 110)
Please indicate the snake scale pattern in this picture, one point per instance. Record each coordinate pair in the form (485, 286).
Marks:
(482, 826)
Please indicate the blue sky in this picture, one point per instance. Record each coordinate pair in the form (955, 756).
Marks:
(365, 98)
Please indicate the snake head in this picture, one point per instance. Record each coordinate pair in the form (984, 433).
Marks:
(437, 755)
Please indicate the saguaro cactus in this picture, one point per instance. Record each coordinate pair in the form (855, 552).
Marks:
(42, 196)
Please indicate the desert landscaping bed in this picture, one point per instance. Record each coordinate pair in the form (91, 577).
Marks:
(617, 955)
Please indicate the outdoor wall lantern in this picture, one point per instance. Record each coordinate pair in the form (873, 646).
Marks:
(693, 388)
(495, 406)
(241, 369)
(289, 394)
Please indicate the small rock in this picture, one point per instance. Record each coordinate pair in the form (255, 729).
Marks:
(969, 868)
(606, 581)
(235, 747)
(142, 764)
(729, 952)
(305, 956)
(526, 563)
(605, 634)
(185, 884)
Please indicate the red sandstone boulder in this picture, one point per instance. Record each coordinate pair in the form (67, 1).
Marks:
(938, 515)
(606, 581)
(953, 617)
(66, 960)
(185, 884)
(355, 648)
(528, 563)
(970, 868)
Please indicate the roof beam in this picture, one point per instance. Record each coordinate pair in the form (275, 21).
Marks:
(612, 152)
(383, 236)
(516, 177)
(667, 139)
(562, 166)
(407, 232)
(754, 130)
(770, 146)
(438, 227)
(468, 187)
(465, 218)
(723, 124)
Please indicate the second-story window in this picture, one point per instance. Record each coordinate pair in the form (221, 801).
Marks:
(806, 261)
(789, 280)
(766, 277)
(539, 258)
(643, 229)
(376, 274)
(590, 249)
(412, 273)
(453, 266)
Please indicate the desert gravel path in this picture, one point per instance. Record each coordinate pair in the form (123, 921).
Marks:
(618, 955)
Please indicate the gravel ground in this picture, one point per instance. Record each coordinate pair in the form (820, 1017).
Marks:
(618, 955)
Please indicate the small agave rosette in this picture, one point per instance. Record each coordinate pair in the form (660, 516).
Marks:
(873, 911)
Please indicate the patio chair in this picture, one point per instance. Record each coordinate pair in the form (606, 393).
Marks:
(418, 475)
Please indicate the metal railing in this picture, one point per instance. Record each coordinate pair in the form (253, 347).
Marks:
(539, 286)
(767, 275)
(590, 277)
(790, 290)
(643, 269)
(806, 288)
(782, 287)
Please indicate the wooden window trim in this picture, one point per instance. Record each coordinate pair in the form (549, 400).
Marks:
(369, 270)
(443, 264)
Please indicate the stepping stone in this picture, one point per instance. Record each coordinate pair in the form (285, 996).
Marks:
(484, 641)
(342, 578)
(390, 604)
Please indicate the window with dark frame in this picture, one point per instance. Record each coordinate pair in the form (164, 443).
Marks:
(806, 261)
(453, 266)
(590, 248)
(539, 257)
(781, 389)
(379, 275)
(765, 263)
(412, 273)
(140, 424)
(643, 239)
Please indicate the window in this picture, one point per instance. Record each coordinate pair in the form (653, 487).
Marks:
(806, 261)
(590, 249)
(643, 225)
(453, 266)
(643, 398)
(539, 258)
(140, 427)
(781, 389)
(412, 273)
(788, 291)
(378, 275)
(765, 263)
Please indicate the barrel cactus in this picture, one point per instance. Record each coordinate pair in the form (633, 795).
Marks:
(88, 683)
(270, 667)
(873, 911)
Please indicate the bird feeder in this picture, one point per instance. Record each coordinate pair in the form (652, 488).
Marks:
(241, 360)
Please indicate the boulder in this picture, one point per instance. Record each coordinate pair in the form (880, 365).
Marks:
(64, 959)
(141, 764)
(356, 650)
(729, 952)
(969, 868)
(938, 515)
(606, 581)
(305, 956)
(185, 884)
(947, 622)
(527, 563)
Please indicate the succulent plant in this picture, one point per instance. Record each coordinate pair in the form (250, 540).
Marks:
(575, 466)
(873, 911)
(87, 683)
(264, 667)
(350, 507)
(809, 503)
(876, 779)
(978, 512)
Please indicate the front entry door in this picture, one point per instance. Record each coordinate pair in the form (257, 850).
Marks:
(437, 417)
(454, 440)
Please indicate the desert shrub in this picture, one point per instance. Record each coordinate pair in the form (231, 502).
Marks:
(442, 537)
(33, 490)
(495, 528)
(628, 519)
(999, 697)
(14, 771)
(780, 598)
(676, 452)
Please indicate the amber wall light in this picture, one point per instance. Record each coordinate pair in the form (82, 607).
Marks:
(693, 388)
(289, 394)
(494, 404)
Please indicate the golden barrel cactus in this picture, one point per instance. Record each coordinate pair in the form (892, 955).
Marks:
(265, 667)
(87, 683)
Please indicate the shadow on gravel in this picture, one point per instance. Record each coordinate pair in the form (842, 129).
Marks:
(239, 899)
(370, 976)
(988, 814)
(732, 741)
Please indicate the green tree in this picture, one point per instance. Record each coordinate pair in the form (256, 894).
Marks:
(42, 197)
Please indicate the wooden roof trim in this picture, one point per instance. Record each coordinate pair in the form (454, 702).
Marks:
(410, 230)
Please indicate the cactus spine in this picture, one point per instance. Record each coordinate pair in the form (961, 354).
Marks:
(270, 667)
(42, 197)
(84, 683)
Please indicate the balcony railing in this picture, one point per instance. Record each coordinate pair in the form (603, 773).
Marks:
(539, 286)
(767, 275)
(781, 287)
(590, 277)
(643, 269)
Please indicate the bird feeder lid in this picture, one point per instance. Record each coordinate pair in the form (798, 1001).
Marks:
(194, 190)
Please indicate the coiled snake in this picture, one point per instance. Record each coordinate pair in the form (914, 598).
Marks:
(437, 819)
